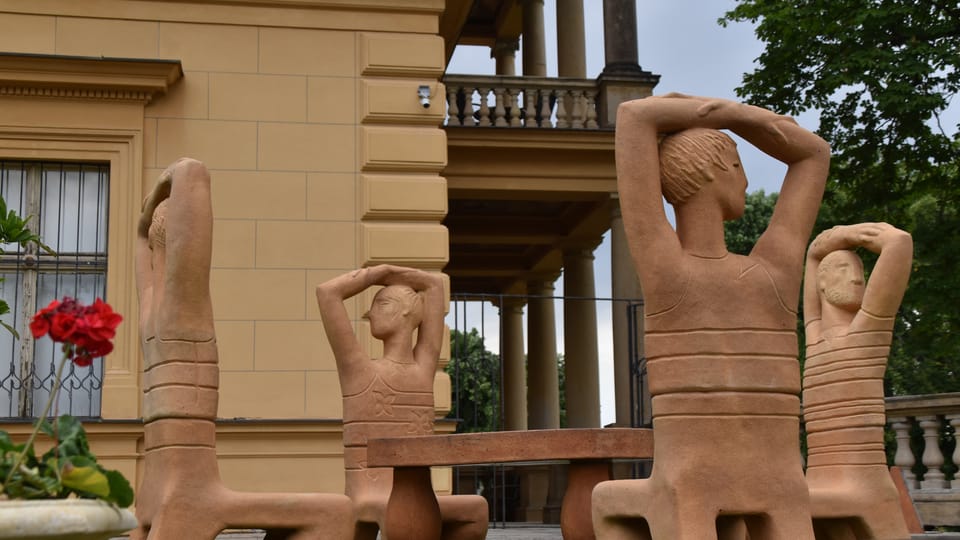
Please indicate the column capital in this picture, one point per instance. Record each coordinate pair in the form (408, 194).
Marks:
(508, 46)
(577, 252)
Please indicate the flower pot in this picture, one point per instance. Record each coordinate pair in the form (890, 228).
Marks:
(73, 519)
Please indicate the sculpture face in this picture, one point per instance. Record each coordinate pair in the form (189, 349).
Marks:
(841, 280)
(731, 184)
(394, 309)
(384, 315)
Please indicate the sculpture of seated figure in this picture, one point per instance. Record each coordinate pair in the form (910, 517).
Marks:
(391, 396)
(720, 328)
(181, 494)
(849, 327)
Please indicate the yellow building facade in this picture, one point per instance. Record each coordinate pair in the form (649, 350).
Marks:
(323, 159)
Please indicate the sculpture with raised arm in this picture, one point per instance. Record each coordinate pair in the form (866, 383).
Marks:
(391, 396)
(721, 339)
(181, 494)
(849, 326)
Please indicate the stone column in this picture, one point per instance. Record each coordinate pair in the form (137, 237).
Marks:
(622, 79)
(571, 44)
(620, 36)
(504, 51)
(514, 371)
(543, 386)
(534, 43)
(580, 340)
(543, 395)
(625, 286)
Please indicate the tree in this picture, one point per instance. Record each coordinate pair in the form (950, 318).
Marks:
(475, 374)
(881, 73)
(742, 234)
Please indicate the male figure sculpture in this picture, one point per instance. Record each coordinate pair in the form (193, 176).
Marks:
(721, 338)
(391, 396)
(181, 495)
(848, 328)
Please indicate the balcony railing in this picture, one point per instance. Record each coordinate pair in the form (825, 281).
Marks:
(928, 473)
(521, 102)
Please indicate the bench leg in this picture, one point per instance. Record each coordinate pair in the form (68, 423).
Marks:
(412, 510)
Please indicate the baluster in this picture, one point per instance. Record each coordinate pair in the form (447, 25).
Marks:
(932, 457)
(453, 111)
(578, 112)
(904, 457)
(563, 120)
(514, 95)
(484, 107)
(530, 112)
(591, 111)
(954, 420)
(468, 119)
(545, 110)
(499, 112)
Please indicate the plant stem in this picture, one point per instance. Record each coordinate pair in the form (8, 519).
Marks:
(36, 426)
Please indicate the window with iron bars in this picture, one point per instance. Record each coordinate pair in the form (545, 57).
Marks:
(67, 203)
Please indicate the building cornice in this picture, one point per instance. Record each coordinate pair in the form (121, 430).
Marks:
(88, 78)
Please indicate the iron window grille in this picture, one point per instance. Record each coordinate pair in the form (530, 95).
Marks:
(68, 203)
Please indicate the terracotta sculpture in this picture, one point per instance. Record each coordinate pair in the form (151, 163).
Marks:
(181, 495)
(721, 338)
(849, 327)
(391, 396)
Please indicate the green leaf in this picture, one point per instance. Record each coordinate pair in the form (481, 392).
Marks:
(85, 479)
(121, 492)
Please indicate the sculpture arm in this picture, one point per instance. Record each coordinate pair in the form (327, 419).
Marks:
(807, 157)
(186, 310)
(143, 259)
(888, 280)
(336, 322)
(654, 245)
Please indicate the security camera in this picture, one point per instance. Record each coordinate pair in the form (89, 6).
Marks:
(423, 92)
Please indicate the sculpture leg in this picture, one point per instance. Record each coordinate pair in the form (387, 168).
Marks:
(465, 517)
(684, 522)
(140, 533)
(785, 524)
(732, 528)
(166, 527)
(621, 529)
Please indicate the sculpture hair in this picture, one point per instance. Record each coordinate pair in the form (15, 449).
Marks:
(409, 299)
(685, 161)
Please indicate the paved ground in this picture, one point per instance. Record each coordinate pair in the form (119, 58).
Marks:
(520, 531)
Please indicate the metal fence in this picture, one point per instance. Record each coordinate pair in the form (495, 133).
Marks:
(476, 373)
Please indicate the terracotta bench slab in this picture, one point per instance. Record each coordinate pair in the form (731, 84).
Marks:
(589, 451)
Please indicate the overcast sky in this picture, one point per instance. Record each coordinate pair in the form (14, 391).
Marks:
(681, 41)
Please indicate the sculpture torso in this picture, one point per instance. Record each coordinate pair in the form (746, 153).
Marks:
(382, 398)
(729, 332)
(847, 370)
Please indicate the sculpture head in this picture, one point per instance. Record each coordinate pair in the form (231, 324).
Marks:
(396, 308)
(840, 280)
(692, 158)
(157, 234)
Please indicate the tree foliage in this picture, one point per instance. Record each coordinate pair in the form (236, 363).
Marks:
(881, 74)
(741, 235)
(475, 375)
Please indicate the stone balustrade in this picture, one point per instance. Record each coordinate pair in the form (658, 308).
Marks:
(938, 415)
(521, 102)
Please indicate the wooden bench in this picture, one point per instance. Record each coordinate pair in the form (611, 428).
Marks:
(590, 453)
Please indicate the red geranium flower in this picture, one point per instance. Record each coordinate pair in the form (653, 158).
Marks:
(85, 331)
